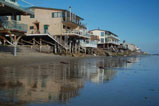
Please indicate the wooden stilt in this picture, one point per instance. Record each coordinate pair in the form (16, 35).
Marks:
(33, 41)
(75, 47)
(70, 47)
(15, 45)
(55, 48)
(4, 42)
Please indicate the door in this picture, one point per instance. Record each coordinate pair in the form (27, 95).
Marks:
(45, 28)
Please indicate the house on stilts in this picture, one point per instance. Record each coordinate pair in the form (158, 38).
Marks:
(107, 39)
(59, 30)
(11, 30)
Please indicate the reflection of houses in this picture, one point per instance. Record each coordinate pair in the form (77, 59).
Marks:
(108, 40)
(56, 82)
(43, 83)
(11, 30)
(103, 75)
(55, 27)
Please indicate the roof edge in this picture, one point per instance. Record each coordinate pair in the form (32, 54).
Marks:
(49, 8)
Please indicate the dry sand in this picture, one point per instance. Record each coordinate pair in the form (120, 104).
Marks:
(8, 59)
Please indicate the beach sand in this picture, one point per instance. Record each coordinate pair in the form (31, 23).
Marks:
(8, 59)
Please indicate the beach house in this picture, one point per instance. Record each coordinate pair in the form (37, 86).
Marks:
(59, 28)
(107, 39)
(12, 30)
(90, 44)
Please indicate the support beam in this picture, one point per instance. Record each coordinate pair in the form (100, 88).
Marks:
(33, 41)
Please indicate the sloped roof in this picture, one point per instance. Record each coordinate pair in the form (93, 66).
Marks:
(108, 32)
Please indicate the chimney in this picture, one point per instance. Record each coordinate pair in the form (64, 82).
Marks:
(70, 13)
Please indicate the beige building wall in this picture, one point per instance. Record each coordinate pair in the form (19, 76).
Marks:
(98, 33)
(44, 17)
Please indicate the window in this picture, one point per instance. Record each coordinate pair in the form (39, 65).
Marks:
(46, 28)
(106, 39)
(102, 33)
(68, 14)
(64, 26)
(31, 27)
(12, 18)
(32, 16)
(6, 18)
(18, 18)
(63, 14)
(56, 14)
(59, 14)
(102, 40)
(13, 0)
(68, 28)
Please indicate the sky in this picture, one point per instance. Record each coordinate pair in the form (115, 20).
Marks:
(136, 21)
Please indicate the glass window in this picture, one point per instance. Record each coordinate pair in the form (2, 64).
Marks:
(32, 16)
(31, 27)
(106, 39)
(18, 18)
(13, 0)
(102, 33)
(102, 40)
(59, 14)
(63, 14)
(6, 17)
(56, 14)
(68, 14)
(12, 18)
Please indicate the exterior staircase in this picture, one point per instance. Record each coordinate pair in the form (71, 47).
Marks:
(61, 44)
(21, 50)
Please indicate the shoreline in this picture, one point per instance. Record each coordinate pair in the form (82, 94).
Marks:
(10, 60)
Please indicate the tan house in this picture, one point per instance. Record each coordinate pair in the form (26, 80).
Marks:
(64, 27)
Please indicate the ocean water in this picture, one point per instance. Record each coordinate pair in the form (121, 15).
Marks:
(109, 81)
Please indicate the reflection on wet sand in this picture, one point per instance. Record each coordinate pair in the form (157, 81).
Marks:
(55, 82)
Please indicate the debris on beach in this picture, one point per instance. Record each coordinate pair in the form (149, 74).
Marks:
(62, 62)
(101, 67)
(128, 61)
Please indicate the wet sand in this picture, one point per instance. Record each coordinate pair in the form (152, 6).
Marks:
(8, 60)
(59, 81)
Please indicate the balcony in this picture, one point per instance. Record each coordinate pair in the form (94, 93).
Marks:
(89, 43)
(11, 1)
(73, 22)
(75, 33)
(112, 37)
(14, 25)
(8, 7)
(113, 42)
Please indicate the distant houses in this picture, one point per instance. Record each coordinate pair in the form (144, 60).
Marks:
(107, 39)
(58, 30)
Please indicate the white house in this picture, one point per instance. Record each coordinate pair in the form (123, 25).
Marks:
(107, 39)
